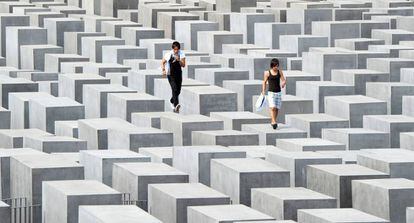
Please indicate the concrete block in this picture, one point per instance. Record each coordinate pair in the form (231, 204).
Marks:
(7, 19)
(256, 152)
(393, 36)
(95, 98)
(54, 144)
(390, 92)
(354, 107)
(308, 144)
(143, 80)
(254, 64)
(117, 54)
(296, 163)
(158, 154)
(358, 43)
(245, 23)
(18, 36)
(61, 199)
(337, 180)
(67, 128)
(45, 111)
(234, 5)
(34, 169)
(99, 164)
(391, 200)
(212, 41)
(391, 124)
(319, 90)
(114, 213)
(71, 85)
(54, 61)
(5, 155)
(327, 61)
(245, 90)
(134, 178)
(225, 138)
(186, 31)
(268, 136)
(306, 17)
(236, 177)
(182, 126)
(196, 160)
(283, 203)
(123, 104)
(5, 212)
(407, 140)
(235, 120)
(114, 27)
(293, 76)
(92, 46)
(225, 213)
(156, 47)
(299, 43)
(336, 215)
(166, 21)
(56, 27)
(32, 57)
(358, 138)
(334, 30)
(395, 162)
(205, 99)
(133, 35)
(313, 123)
(38, 18)
(358, 78)
(277, 30)
(390, 65)
(73, 41)
(132, 138)
(167, 202)
(103, 68)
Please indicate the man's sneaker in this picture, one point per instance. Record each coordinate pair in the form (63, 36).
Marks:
(177, 108)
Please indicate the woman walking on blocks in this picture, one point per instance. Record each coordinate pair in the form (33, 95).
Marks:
(276, 80)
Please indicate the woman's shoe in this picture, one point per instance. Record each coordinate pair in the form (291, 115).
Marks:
(274, 125)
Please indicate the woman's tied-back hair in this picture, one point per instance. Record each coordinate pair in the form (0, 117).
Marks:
(176, 44)
(274, 62)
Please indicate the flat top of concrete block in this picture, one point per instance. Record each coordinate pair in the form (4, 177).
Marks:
(238, 115)
(195, 22)
(114, 154)
(153, 114)
(224, 133)
(44, 161)
(389, 183)
(19, 151)
(56, 102)
(2, 204)
(107, 65)
(389, 155)
(298, 73)
(288, 97)
(186, 82)
(218, 70)
(188, 190)
(267, 128)
(108, 87)
(339, 214)
(178, 14)
(293, 193)
(72, 124)
(323, 83)
(354, 99)
(280, 221)
(192, 118)
(22, 132)
(164, 152)
(246, 165)
(120, 22)
(140, 28)
(150, 169)
(83, 76)
(309, 142)
(317, 117)
(253, 151)
(53, 138)
(61, 55)
(348, 170)
(392, 31)
(358, 71)
(230, 213)
(105, 123)
(352, 131)
(391, 118)
(219, 33)
(301, 155)
(119, 214)
(208, 90)
(25, 96)
(242, 82)
(388, 84)
(8, 80)
(411, 134)
(345, 155)
(132, 129)
(203, 149)
(65, 19)
(80, 187)
(74, 157)
(134, 96)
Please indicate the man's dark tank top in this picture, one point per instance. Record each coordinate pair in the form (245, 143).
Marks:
(175, 67)
(274, 82)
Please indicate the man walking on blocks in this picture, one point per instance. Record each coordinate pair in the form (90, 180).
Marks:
(171, 66)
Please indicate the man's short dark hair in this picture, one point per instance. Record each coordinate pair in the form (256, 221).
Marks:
(274, 62)
(176, 44)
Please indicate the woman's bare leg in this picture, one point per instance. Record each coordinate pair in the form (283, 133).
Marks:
(273, 115)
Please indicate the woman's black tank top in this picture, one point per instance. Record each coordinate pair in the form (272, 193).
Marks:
(274, 82)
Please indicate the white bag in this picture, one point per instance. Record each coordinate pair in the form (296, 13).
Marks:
(261, 102)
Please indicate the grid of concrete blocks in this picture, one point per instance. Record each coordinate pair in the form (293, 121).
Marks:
(88, 135)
